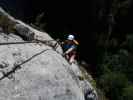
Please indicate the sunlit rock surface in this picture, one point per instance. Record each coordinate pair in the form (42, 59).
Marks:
(36, 71)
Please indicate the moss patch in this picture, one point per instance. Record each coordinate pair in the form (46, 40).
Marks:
(6, 24)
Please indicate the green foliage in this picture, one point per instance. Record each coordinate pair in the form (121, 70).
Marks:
(101, 95)
(128, 93)
(116, 71)
(113, 84)
(129, 42)
(86, 76)
(116, 62)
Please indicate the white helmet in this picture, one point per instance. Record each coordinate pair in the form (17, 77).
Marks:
(70, 37)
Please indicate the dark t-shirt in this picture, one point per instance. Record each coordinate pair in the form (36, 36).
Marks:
(69, 44)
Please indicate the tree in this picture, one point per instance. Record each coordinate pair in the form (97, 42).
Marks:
(113, 84)
(128, 93)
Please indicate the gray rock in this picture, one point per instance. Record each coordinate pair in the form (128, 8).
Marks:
(25, 32)
(36, 71)
(88, 90)
(43, 76)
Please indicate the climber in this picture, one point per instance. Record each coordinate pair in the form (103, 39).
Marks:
(70, 48)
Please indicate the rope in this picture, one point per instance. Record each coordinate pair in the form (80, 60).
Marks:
(8, 43)
(18, 66)
(35, 41)
(46, 42)
(7, 74)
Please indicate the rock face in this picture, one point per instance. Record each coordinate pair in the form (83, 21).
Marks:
(42, 77)
(34, 70)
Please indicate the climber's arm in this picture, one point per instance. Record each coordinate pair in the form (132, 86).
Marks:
(70, 49)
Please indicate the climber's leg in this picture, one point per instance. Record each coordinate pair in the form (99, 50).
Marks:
(72, 59)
